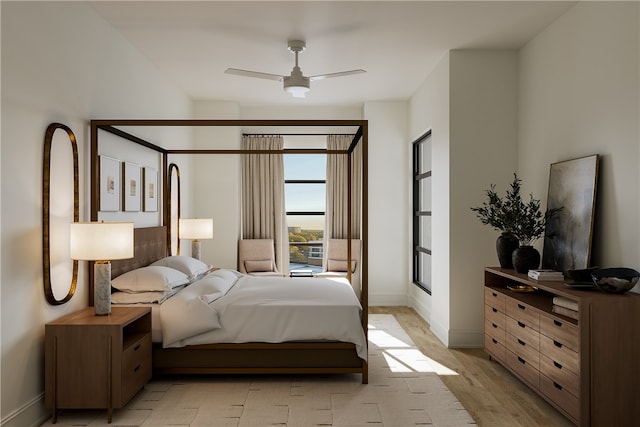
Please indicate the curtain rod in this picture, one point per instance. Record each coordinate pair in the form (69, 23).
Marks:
(297, 134)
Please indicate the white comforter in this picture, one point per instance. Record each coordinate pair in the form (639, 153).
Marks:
(226, 306)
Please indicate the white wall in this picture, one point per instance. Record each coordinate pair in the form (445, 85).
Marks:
(469, 103)
(60, 63)
(389, 202)
(579, 95)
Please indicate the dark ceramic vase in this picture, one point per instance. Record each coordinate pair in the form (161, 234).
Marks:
(525, 258)
(505, 245)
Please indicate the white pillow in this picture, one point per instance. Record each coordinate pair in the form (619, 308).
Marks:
(154, 278)
(142, 297)
(190, 266)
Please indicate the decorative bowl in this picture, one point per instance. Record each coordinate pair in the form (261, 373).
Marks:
(615, 280)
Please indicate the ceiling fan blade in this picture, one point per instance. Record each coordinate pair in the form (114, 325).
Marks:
(247, 73)
(339, 74)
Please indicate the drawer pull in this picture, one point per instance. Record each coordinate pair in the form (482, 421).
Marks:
(521, 307)
(521, 342)
(557, 344)
(495, 310)
(521, 360)
(556, 385)
(494, 325)
(493, 294)
(136, 368)
(557, 365)
(557, 323)
(522, 325)
(137, 347)
(494, 340)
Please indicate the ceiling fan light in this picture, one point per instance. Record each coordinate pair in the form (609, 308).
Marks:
(296, 84)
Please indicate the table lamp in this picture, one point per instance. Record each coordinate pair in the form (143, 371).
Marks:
(195, 229)
(101, 242)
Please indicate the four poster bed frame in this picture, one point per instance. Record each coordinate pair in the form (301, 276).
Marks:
(324, 357)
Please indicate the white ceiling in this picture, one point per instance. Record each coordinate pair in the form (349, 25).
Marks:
(397, 42)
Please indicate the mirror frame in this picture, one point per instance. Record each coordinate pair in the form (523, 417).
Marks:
(46, 218)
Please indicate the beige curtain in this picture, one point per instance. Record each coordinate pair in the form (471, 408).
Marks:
(337, 189)
(263, 209)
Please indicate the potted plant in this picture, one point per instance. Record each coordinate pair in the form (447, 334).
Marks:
(520, 223)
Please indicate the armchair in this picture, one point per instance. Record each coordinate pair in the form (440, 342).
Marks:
(336, 261)
(257, 257)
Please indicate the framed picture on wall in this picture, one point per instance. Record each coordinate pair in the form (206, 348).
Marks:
(109, 190)
(150, 201)
(131, 187)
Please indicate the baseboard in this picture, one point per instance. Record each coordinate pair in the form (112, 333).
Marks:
(466, 339)
(32, 414)
(421, 308)
(388, 300)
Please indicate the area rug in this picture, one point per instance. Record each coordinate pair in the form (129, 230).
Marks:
(404, 390)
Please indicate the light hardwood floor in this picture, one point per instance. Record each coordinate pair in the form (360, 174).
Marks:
(492, 395)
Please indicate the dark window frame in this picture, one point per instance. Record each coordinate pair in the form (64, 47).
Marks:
(419, 176)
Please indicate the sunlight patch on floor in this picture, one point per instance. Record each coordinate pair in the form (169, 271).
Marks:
(401, 354)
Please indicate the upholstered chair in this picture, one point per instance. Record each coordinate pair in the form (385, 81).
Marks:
(336, 261)
(257, 258)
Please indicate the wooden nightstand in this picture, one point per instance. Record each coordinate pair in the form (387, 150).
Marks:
(94, 362)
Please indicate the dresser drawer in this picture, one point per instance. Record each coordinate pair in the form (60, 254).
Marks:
(523, 368)
(494, 299)
(495, 330)
(136, 367)
(492, 315)
(560, 330)
(560, 353)
(494, 347)
(560, 375)
(523, 333)
(561, 397)
(521, 349)
(523, 313)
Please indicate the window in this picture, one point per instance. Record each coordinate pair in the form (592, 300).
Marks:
(422, 212)
(305, 203)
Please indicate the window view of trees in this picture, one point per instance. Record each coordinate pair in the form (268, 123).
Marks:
(305, 199)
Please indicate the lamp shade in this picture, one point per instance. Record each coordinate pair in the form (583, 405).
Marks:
(101, 241)
(196, 228)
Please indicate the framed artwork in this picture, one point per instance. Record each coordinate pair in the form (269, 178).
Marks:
(150, 190)
(572, 186)
(109, 190)
(131, 187)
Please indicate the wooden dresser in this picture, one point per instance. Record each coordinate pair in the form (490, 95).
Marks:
(97, 361)
(588, 368)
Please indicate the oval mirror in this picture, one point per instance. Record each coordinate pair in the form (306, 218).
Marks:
(58, 211)
(174, 208)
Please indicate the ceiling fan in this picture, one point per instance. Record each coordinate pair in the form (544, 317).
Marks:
(296, 83)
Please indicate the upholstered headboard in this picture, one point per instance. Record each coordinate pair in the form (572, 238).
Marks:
(150, 244)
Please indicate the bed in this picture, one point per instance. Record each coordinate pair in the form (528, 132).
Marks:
(176, 356)
(255, 356)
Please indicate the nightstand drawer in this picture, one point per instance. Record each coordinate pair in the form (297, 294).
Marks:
(561, 397)
(560, 353)
(495, 348)
(494, 299)
(524, 369)
(523, 313)
(136, 367)
(560, 330)
(561, 375)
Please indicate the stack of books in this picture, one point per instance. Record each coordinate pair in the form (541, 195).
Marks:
(565, 306)
(545, 274)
